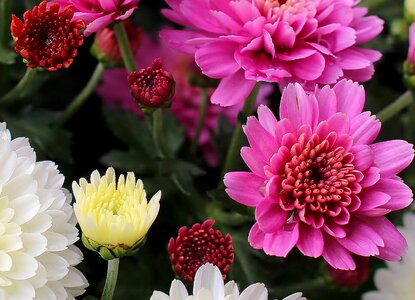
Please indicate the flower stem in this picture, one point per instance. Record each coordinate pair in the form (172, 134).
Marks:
(18, 90)
(80, 99)
(124, 44)
(157, 128)
(235, 144)
(200, 121)
(395, 107)
(111, 280)
(4, 22)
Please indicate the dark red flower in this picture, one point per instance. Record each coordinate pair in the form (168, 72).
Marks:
(199, 245)
(47, 38)
(106, 47)
(351, 278)
(152, 87)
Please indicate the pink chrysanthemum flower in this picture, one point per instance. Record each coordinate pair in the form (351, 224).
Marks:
(197, 246)
(317, 180)
(98, 14)
(186, 101)
(245, 41)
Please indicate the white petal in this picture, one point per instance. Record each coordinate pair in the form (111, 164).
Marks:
(178, 290)
(209, 277)
(159, 296)
(255, 291)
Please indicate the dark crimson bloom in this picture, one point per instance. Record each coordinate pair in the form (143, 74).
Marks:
(199, 245)
(47, 38)
(351, 278)
(106, 47)
(152, 87)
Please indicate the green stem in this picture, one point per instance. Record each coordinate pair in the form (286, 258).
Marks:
(200, 121)
(157, 128)
(18, 90)
(80, 99)
(111, 280)
(124, 44)
(395, 107)
(235, 144)
(4, 22)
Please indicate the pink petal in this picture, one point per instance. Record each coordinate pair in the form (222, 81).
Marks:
(363, 239)
(368, 28)
(401, 194)
(371, 199)
(309, 68)
(267, 119)
(395, 243)
(254, 161)
(270, 217)
(260, 139)
(232, 90)
(364, 128)
(99, 23)
(339, 123)
(311, 241)
(202, 19)
(336, 255)
(353, 59)
(327, 100)
(298, 107)
(371, 176)
(280, 244)
(362, 157)
(350, 97)
(178, 39)
(391, 157)
(244, 187)
(216, 59)
(256, 237)
(342, 38)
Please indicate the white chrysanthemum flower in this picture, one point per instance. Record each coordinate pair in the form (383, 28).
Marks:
(397, 281)
(37, 227)
(209, 285)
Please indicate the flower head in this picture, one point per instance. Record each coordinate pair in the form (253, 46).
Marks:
(242, 42)
(114, 216)
(98, 14)
(153, 86)
(47, 38)
(114, 90)
(319, 182)
(199, 245)
(106, 48)
(38, 227)
(209, 285)
(396, 281)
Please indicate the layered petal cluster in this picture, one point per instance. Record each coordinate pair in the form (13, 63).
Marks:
(197, 246)
(186, 102)
(245, 41)
(37, 227)
(114, 214)
(98, 14)
(47, 38)
(397, 280)
(209, 285)
(319, 182)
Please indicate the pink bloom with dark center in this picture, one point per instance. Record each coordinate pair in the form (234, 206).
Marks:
(98, 14)
(197, 246)
(186, 101)
(245, 41)
(319, 182)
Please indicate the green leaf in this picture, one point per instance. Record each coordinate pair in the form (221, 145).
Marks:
(131, 130)
(129, 161)
(174, 133)
(48, 142)
(182, 175)
(7, 56)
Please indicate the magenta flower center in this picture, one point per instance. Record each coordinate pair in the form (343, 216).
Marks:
(319, 181)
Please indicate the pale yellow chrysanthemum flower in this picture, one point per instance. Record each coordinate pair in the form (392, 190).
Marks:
(114, 217)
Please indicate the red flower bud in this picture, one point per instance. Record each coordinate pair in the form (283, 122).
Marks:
(47, 38)
(152, 87)
(105, 47)
(351, 279)
(199, 245)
